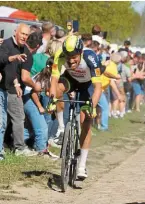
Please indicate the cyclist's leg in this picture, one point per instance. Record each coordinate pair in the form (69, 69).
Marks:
(85, 137)
(86, 124)
(60, 107)
(85, 140)
(60, 130)
(62, 88)
(63, 112)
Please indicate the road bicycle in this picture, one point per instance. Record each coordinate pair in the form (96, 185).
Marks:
(70, 150)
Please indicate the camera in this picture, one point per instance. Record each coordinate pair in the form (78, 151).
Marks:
(73, 24)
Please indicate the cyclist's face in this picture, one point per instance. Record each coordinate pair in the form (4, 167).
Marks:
(73, 61)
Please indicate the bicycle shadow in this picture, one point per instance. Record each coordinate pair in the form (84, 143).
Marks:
(54, 180)
(54, 183)
(29, 174)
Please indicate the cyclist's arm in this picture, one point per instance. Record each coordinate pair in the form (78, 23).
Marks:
(95, 69)
(97, 93)
(55, 74)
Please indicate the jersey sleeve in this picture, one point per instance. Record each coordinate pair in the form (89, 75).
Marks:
(94, 64)
(55, 67)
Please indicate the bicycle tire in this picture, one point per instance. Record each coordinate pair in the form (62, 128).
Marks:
(74, 164)
(66, 157)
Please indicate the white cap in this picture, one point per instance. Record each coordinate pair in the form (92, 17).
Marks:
(123, 54)
(97, 38)
(114, 47)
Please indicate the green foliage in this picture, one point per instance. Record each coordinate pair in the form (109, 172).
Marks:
(118, 18)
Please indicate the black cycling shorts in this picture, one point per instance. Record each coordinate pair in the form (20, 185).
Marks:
(85, 89)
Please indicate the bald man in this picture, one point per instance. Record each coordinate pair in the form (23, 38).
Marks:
(14, 55)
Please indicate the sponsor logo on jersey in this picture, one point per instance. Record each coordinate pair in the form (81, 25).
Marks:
(78, 73)
(92, 59)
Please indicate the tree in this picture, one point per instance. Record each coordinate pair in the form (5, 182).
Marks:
(118, 18)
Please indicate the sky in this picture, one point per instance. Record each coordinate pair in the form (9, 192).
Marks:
(139, 6)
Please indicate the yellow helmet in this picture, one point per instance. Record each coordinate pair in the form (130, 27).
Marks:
(72, 45)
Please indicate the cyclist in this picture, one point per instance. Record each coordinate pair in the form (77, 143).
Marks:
(82, 72)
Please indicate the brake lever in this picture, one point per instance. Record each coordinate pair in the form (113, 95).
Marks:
(50, 100)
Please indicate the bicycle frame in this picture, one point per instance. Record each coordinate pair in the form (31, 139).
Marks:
(73, 120)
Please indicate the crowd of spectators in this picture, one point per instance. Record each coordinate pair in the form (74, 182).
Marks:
(26, 61)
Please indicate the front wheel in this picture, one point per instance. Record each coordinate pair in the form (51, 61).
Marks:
(76, 154)
(66, 157)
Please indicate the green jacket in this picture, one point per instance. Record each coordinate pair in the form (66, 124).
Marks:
(39, 63)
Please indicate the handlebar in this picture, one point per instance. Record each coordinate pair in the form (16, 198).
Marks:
(55, 100)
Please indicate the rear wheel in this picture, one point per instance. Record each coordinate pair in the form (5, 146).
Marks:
(66, 157)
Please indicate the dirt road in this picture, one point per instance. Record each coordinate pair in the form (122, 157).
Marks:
(116, 176)
(124, 184)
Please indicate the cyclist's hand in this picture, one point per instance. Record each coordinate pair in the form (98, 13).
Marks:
(92, 113)
(51, 108)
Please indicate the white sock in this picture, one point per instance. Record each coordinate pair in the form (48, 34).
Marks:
(60, 121)
(83, 158)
